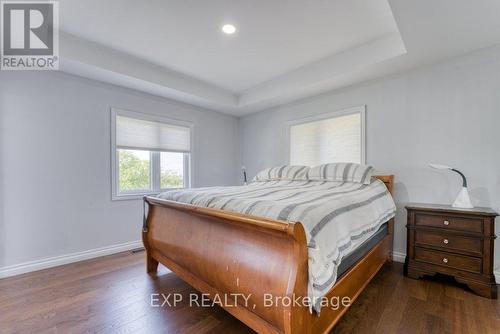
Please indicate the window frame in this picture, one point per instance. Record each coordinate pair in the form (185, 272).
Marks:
(339, 113)
(155, 158)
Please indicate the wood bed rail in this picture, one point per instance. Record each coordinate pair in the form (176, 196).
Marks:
(222, 253)
(231, 217)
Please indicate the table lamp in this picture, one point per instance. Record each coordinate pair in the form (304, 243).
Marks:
(463, 199)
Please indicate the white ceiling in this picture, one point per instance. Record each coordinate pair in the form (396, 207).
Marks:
(283, 49)
(273, 37)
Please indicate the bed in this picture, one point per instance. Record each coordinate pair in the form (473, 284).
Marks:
(225, 245)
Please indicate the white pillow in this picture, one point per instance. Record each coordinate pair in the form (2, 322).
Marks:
(282, 173)
(342, 171)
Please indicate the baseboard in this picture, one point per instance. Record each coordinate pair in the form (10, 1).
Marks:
(398, 257)
(31, 266)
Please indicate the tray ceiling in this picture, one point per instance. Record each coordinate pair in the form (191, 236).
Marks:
(282, 49)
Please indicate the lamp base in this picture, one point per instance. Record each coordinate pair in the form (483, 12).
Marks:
(463, 200)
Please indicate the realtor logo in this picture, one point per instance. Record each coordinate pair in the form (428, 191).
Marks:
(29, 35)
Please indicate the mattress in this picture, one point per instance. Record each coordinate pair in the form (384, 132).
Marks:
(337, 216)
(350, 259)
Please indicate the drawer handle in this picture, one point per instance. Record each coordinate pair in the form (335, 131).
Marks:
(446, 222)
(445, 260)
(446, 241)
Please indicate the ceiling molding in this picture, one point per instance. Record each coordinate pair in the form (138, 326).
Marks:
(94, 61)
(91, 60)
(321, 75)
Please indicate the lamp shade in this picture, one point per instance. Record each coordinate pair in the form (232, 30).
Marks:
(437, 166)
(463, 198)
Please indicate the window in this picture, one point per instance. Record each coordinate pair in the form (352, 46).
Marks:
(334, 137)
(149, 154)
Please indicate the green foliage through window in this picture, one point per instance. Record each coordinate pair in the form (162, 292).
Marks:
(171, 179)
(134, 171)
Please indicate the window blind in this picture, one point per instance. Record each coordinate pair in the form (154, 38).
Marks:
(335, 139)
(132, 133)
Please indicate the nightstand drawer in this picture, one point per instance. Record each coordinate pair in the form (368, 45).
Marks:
(449, 260)
(449, 222)
(449, 242)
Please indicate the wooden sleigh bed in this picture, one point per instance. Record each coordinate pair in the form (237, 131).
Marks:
(224, 253)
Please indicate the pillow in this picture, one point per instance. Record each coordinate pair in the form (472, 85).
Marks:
(344, 172)
(282, 173)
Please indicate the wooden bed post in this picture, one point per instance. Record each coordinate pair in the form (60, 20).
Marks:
(389, 183)
(151, 262)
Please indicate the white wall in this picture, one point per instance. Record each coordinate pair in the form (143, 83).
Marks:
(447, 113)
(55, 193)
(55, 152)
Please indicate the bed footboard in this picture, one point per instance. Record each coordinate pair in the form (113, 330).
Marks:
(227, 254)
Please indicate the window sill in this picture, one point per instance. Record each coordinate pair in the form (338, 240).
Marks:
(138, 196)
(131, 197)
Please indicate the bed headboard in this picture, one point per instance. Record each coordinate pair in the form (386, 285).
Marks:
(388, 180)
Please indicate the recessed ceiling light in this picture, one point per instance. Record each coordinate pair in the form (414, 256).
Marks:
(228, 29)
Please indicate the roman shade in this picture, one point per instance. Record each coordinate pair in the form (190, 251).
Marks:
(336, 139)
(132, 133)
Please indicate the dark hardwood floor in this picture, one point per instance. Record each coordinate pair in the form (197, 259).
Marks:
(113, 295)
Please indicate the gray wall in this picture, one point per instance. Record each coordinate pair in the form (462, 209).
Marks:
(55, 152)
(55, 192)
(447, 113)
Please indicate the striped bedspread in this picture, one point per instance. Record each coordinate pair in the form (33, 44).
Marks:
(337, 216)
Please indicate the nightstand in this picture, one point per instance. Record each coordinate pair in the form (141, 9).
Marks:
(456, 242)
